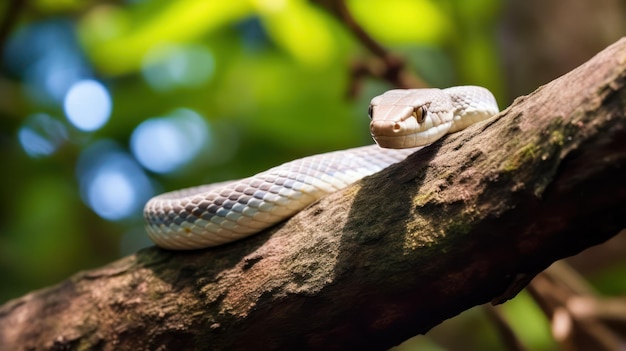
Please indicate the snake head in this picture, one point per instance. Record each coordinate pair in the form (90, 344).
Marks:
(409, 118)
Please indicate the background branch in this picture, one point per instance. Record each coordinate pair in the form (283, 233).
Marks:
(384, 65)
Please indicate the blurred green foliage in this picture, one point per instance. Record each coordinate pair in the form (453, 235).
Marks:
(268, 77)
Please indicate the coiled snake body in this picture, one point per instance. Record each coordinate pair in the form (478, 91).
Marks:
(403, 121)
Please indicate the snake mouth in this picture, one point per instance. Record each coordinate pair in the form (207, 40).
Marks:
(391, 128)
(409, 139)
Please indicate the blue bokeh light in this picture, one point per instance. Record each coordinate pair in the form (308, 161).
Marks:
(111, 181)
(41, 135)
(253, 34)
(169, 67)
(164, 144)
(48, 59)
(110, 193)
(87, 105)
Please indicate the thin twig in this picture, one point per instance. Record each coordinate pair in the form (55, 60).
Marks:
(387, 66)
(504, 329)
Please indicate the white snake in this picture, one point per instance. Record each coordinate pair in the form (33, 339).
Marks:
(402, 122)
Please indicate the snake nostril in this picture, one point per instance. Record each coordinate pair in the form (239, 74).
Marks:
(397, 127)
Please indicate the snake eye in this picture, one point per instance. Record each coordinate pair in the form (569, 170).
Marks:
(370, 111)
(419, 113)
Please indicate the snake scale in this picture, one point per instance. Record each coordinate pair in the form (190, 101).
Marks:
(402, 121)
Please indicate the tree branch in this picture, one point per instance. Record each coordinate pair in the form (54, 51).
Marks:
(468, 220)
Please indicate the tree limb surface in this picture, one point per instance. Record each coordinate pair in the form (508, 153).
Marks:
(467, 220)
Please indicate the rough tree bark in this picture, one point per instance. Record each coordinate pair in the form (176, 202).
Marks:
(468, 220)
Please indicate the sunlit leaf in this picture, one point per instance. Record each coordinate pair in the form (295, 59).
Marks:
(177, 21)
(402, 21)
(299, 29)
